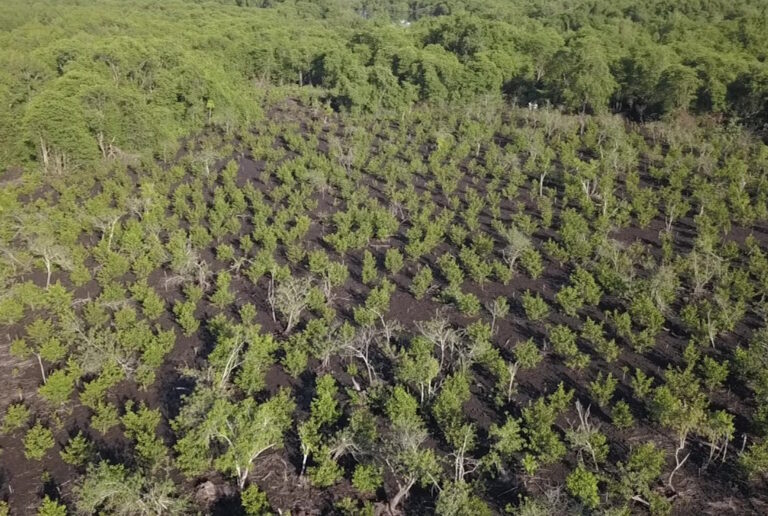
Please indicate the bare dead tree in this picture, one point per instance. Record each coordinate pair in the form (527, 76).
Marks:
(703, 266)
(517, 244)
(398, 447)
(498, 308)
(206, 158)
(107, 223)
(46, 248)
(442, 335)
(512, 369)
(581, 435)
(362, 347)
(463, 464)
(332, 345)
(290, 298)
(55, 162)
(678, 461)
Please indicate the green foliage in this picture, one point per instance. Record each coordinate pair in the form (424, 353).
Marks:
(621, 415)
(370, 272)
(230, 436)
(376, 304)
(113, 489)
(585, 284)
(254, 501)
(457, 498)
(185, 316)
(563, 341)
(16, 417)
(530, 260)
(255, 362)
(105, 417)
(447, 408)
(417, 367)
(451, 270)
(51, 508)
(295, 360)
(641, 384)
(141, 427)
(223, 296)
(402, 409)
(544, 445)
(602, 388)
(592, 332)
(570, 300)
(645, 313)
(134, 150)
(679, 405)
(95, 391)
(152, 304)
(714, 373)
(507, 442)
(393, 260)
(58, 387)
(754, 461)
(225, 253)
(326, 472)
(583, 485)
(479, 270)
(574, 234)
(467, 302)
(637, 476)
(422, 282)
(324, 407)
(367, 478)
(536, 309)
(247, 314)
(527, 354)
(37, 441)
(78, 452)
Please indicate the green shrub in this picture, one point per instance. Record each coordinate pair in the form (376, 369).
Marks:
(527, 354)
(16, 417)
(78, 451)
(58, 387)
(367, 478)
(422, 282)
(254, 501)
(370, 272)
(530, 260)
(583, 485)
(393, 260)
(51, 508)
(223, 296)
(603, 387)
(185, 316)
(450, 269)
(570, 299)
(621, 415)
(37, 442)
(536, 309)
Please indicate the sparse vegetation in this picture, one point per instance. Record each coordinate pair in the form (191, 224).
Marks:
(383, 257)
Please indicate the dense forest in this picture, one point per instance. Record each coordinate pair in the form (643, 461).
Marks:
(383, 257)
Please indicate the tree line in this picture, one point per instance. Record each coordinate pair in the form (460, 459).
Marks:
(76, 91)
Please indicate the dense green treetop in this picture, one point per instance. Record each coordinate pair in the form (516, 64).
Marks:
(124, 77)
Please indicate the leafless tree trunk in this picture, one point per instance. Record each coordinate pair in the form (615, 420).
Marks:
(678, 463)
(402, 492)
(42, 369)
